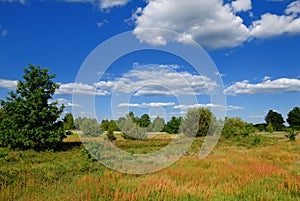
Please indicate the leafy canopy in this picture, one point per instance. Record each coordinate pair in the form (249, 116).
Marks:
(276, 120)
(30, 118)
(69, 122)
(199, 122)
(294, 118)
(173, 126)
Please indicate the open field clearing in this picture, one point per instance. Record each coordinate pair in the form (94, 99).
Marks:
(237, 169)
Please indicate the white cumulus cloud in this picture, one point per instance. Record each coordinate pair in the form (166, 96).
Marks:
(151, 81)
(241, 5)
(211, 23)
(282, 85)
(271, 25)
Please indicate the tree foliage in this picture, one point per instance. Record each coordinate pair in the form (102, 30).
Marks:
(144, 121)
(173, 126)
(291, 134)
(234, 127)
(275, 119)
(198, 122)
(31, 120)
(106, 125)
(2, 115)
(261, 127)
(69, 122)
(294, 118)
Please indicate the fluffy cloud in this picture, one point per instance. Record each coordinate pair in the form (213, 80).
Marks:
(241, 5)
(8, 84)
(147, 105)
(268, 86)
(293, 8)
(271, 25)
(209, 105)
(211, 23)
(151, 81)
(80, 89)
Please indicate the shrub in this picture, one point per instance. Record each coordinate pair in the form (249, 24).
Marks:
(291, 134)
(236, 127)
(130, 129)
(270, 128)
(89, 127)
(256, 140)
(110, 135)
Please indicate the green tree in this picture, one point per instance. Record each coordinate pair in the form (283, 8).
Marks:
(275, 119)
(173, 126)
(69, 122)
(158, 124)
(113, 125)
(294, 118)
(31, 119)
(104, 125)
(198, 122)
(144, 121)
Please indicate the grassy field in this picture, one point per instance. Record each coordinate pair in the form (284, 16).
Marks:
(260, 167)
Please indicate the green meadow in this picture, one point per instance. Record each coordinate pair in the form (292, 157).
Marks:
(260, 167)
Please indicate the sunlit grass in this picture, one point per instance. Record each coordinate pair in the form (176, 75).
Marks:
(235, 170)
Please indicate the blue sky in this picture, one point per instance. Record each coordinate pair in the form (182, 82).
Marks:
(253, 43)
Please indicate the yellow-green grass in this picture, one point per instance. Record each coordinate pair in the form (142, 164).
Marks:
(237, 169)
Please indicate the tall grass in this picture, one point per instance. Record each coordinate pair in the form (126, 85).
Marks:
(235, 170)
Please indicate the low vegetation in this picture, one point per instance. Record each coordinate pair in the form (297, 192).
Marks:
(239, 168)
